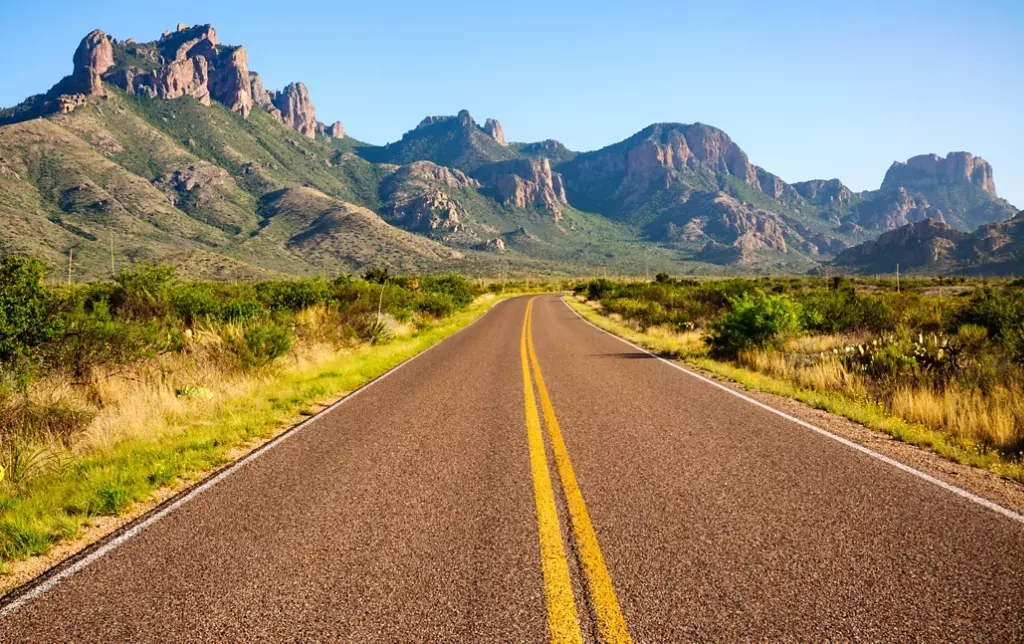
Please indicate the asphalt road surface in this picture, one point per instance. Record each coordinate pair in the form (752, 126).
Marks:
(534, 479)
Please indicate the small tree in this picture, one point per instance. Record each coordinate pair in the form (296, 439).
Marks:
(27, 316)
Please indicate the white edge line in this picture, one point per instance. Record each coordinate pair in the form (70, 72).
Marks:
(1010, 514)
(45, 586)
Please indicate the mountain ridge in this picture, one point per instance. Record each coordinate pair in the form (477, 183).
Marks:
(186, 127)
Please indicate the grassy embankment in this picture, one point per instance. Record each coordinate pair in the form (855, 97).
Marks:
(937, 364)
(110, 392)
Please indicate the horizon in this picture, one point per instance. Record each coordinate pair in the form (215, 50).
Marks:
(856, 58)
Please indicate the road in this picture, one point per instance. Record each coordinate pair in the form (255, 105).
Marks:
(586, 492)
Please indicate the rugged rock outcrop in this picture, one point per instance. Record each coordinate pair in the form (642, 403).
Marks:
(524, 183)
(925, 170)
(297, 111)
(92, 59)
(337, 130)
(890, 210)
(418, 198)
(229, 81)
(717, 217)
(494, 129)
(922, 244)
(822, 192)
(662, 155)
(186, 77)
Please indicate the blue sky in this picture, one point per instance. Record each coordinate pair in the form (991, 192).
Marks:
(808, 89)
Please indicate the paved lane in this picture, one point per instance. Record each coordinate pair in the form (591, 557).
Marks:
(534, 479)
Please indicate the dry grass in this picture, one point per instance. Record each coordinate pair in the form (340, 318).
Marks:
(993, 419)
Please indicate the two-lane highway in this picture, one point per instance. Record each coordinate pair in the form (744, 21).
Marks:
(532, 479)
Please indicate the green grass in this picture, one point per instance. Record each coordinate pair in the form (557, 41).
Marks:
(864, 411)
(109, 481)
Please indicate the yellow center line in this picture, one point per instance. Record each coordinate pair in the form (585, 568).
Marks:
(610, 623)
(563, 622)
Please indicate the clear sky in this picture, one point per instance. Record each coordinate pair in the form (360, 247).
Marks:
(809, 89)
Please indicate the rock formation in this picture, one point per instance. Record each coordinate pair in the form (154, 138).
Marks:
(229, 81)
(186, 77)
(524, 183)
(494, 129)
(820, 191)
(297, 111)
(418, 197)
(337, 130)
(893, 209)
(958, 168)
(924, 243)
(92, 59)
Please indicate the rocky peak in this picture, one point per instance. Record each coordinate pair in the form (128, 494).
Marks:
(186, 41)
(526, 182)
(297, 109)
(92, 59)
(494, 129)
(822, 191)
(957, 168)
(337, 130)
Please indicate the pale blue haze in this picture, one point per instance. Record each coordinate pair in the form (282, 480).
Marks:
(809, 90)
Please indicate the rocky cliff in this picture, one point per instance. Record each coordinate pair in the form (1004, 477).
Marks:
(188, 61)
(927, 170)
(525, 183)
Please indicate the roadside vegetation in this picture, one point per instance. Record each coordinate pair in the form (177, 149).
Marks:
(937, 362)
(109, 391)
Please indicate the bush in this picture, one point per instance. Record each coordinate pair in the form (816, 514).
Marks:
(754, 321)
(457, 288)
(265, 342)
(191, 303)
(143, 292)
(27, 317)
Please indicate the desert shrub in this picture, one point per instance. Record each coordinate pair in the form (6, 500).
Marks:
(192, 302)
(241, 310)
(265, 342)
(377, 275)
(292, 295)
(27, 317)
(999, 313)
(754, 321)
(456, 287)
(835, 311)
(142, 292)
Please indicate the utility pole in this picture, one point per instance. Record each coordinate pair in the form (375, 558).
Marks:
(897, 278)
(113, 274)
(71, 253)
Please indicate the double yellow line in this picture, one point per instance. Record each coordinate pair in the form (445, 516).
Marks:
(563, 620)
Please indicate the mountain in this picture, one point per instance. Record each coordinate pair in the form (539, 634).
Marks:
(931, 246)
(454, 141)
(174, 151)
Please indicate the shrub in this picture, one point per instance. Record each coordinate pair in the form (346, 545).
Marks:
(143, 291)
(754, 321)
(265, 342)
(456, 287)
(27, 317)
(293, 295)
(241, 310)
(190, 303)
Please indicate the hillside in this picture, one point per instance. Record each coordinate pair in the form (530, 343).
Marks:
(174, 151)
(930, 246)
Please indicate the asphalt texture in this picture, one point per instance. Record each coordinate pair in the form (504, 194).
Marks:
(409, 514)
